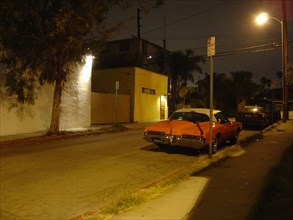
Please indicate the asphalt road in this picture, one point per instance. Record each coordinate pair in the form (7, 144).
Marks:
(66, 178)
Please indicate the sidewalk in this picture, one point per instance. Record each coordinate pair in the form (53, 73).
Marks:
(227, 190)
(91, 130)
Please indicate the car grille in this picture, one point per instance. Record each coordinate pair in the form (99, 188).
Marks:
(159, 133)
(189, 136)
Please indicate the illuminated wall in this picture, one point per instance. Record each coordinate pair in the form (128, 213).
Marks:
(149, 87)
(76, 98)
(136, 82)
(104, 108)
(75, 107)
(27, 119)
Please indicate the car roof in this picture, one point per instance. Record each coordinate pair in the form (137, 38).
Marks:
(199, 110)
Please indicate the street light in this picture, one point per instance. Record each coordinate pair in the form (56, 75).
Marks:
(260, 20)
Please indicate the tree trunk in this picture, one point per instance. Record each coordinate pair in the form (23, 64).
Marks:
(55, 118)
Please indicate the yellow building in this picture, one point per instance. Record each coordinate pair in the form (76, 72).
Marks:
(128, 94)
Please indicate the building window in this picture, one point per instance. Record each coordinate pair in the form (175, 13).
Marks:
(149, 91)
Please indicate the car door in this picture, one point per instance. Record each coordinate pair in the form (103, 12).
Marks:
(226, 127)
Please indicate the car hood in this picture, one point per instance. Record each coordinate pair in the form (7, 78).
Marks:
(178, 127)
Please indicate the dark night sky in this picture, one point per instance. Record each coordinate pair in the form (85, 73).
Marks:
(190, 22)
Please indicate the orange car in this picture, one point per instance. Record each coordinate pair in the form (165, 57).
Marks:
(190, 127)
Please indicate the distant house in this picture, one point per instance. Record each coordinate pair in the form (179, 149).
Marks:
(128, 94)
(134, 52)
(138, 67)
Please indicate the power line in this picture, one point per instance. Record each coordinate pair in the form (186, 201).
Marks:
(252, 49)
(188, 17)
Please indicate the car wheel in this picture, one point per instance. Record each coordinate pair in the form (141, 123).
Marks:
(215, 145)
(234, 139)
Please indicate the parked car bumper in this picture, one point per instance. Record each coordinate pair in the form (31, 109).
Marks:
(175, 140)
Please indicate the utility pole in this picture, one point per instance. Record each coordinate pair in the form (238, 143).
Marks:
(285, 60)
(164, 46)
(211, 52)
(138, 23)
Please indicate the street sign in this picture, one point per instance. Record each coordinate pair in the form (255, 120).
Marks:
(116, 100)
(117, 85)
(211, 46)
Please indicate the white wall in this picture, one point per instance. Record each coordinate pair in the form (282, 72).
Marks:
(28, 118)
(76, 99)
(75, 107)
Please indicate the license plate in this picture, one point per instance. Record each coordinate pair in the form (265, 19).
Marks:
(158, 140)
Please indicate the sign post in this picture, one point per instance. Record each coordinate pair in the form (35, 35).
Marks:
(211, 53)
(116, 100)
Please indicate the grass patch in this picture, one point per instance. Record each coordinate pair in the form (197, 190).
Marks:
(131, 200)
(276, 198)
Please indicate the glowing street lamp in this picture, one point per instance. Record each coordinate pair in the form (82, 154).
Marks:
(260, 20)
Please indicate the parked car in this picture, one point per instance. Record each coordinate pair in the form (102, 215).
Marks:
(254, 116)
(190, 127)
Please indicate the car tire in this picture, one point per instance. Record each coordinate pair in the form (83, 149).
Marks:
(215, 145)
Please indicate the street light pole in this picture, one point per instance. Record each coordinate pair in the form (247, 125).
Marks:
(261, 19)
(284, 70)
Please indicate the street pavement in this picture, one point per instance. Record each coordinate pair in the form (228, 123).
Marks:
(227, 190)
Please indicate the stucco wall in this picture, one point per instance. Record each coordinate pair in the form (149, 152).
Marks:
(147, 106)
(104, 108)
(143, 107)
(75, 107)
(76, 99)
(103, 80)
(27, 118)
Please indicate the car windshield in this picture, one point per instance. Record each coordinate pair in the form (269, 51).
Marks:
(190, 116)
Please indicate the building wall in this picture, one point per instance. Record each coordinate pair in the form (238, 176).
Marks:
(76, 98)
(27, 118)
(75, 106)
(147, 106)
(104, 108)
(142, 106)
(103, 80)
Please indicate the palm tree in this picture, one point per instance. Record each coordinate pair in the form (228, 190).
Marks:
(244, 87)
(182, 66)
(265, 82)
